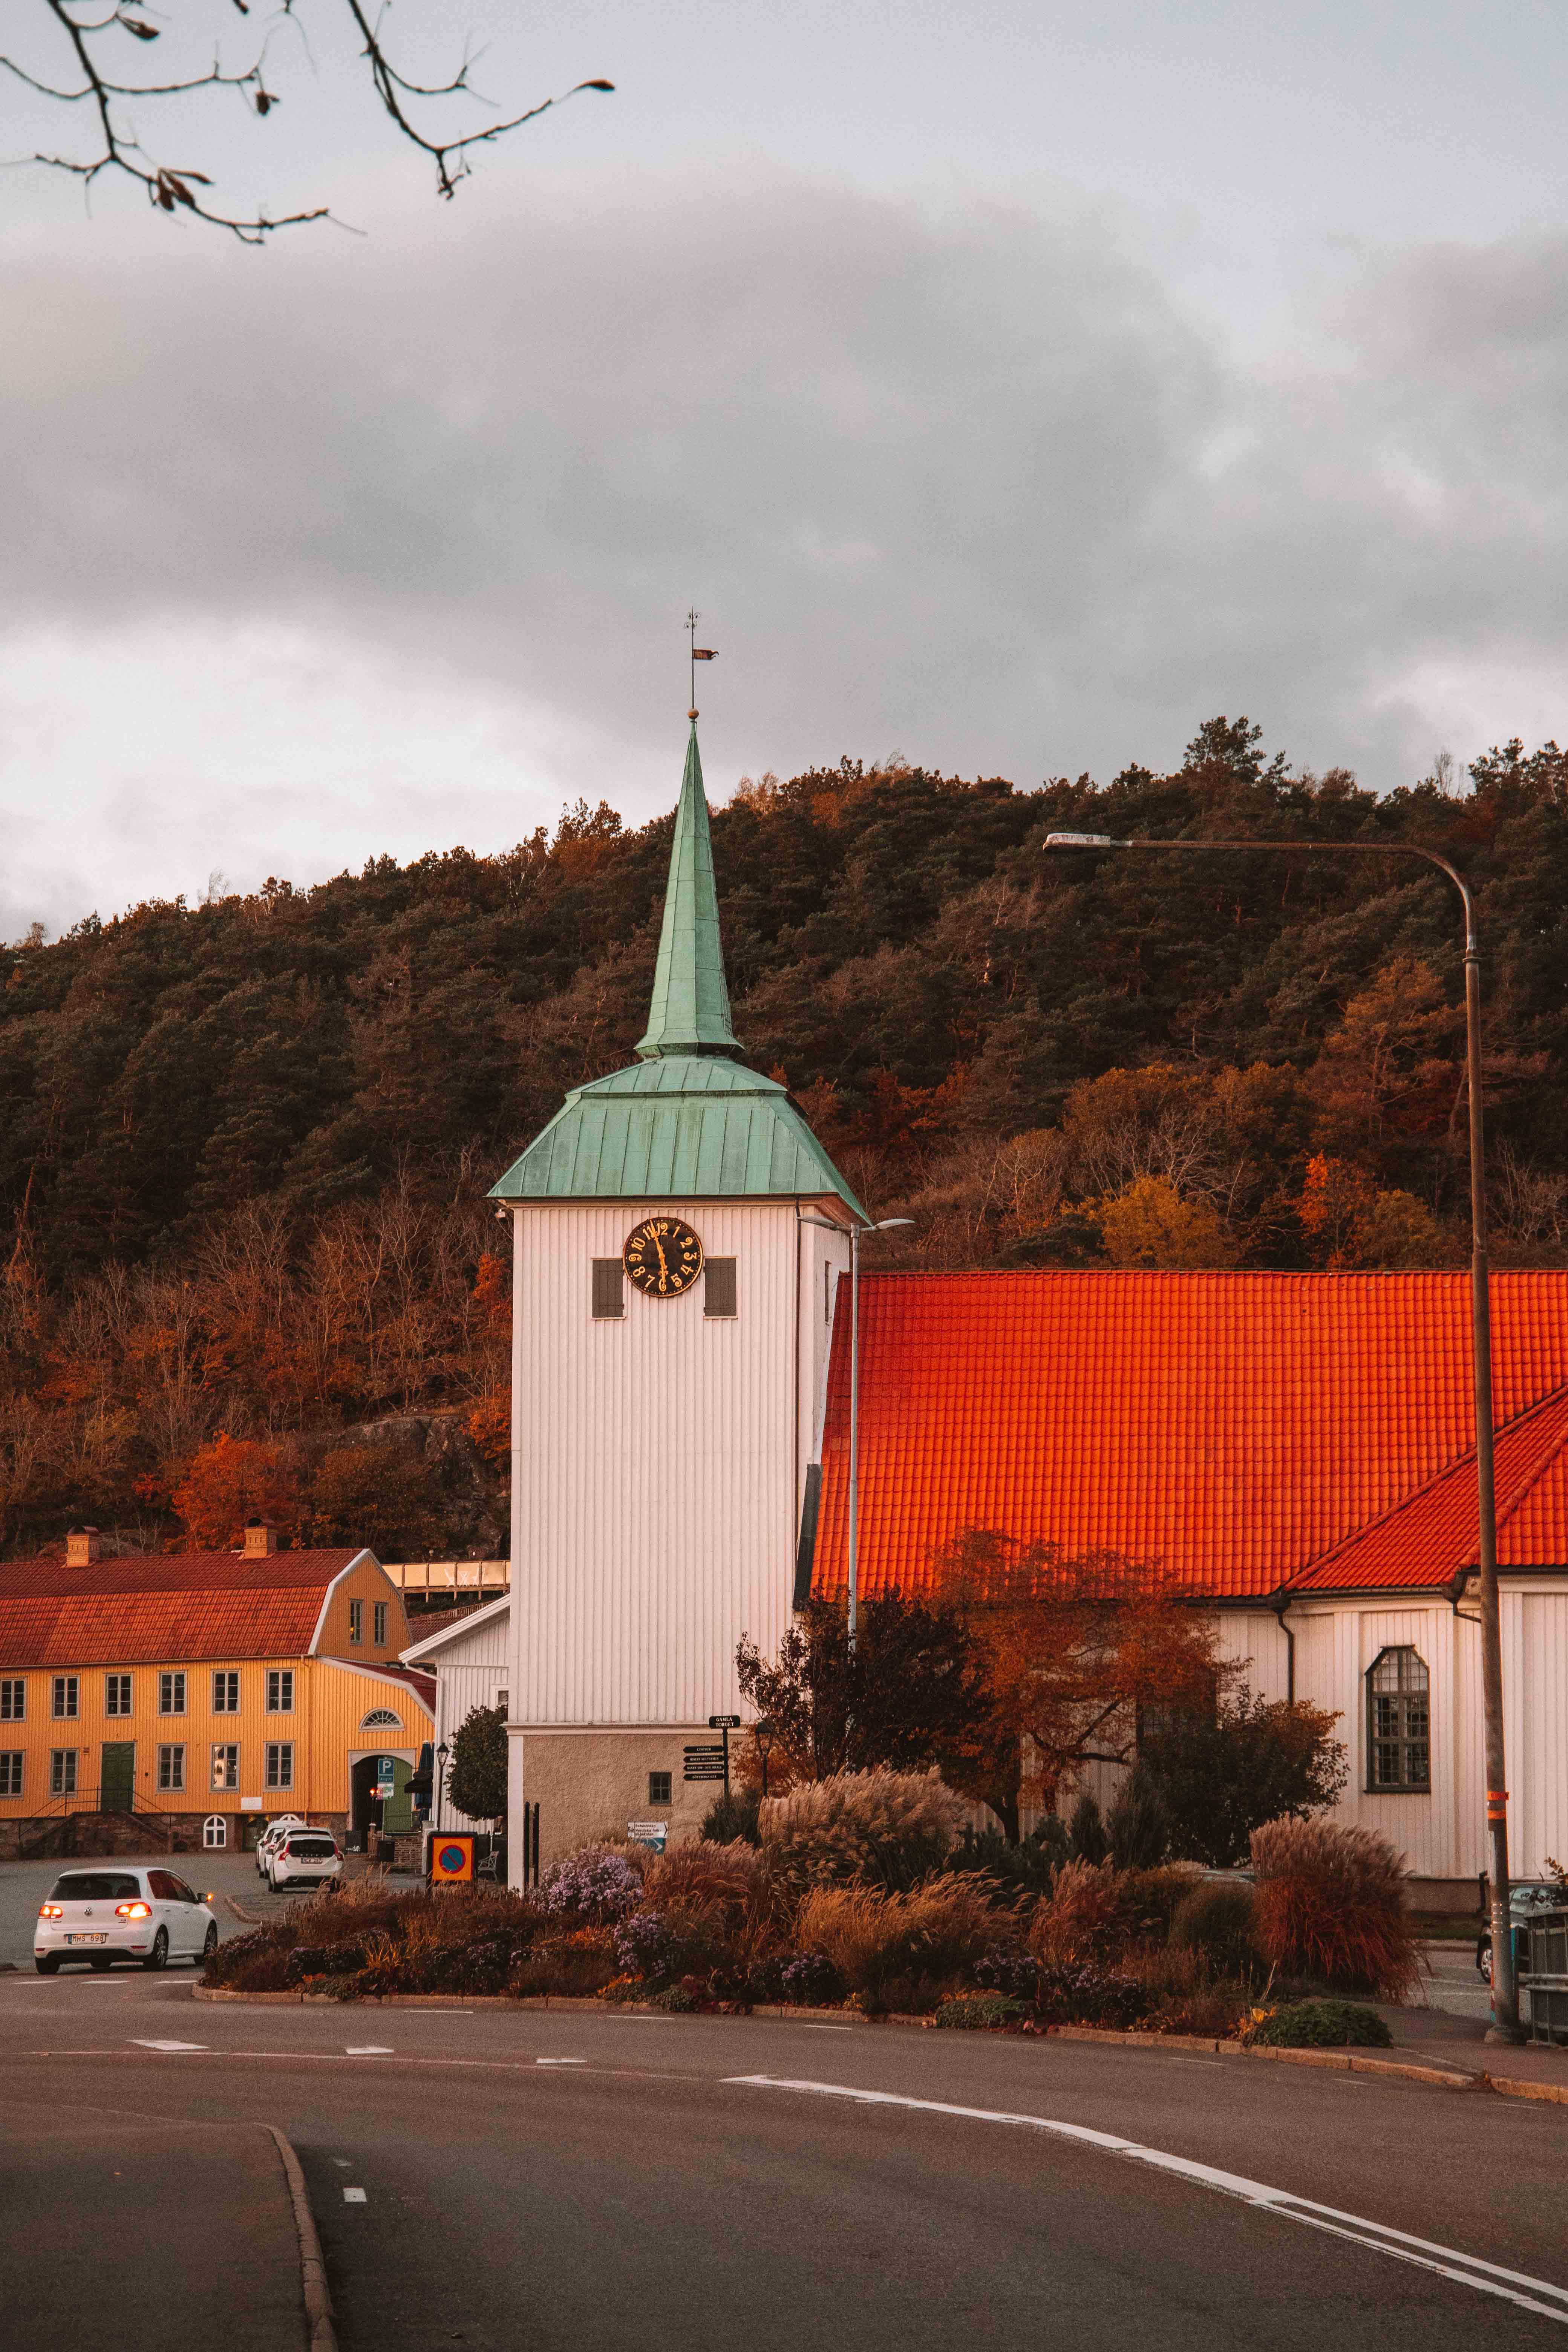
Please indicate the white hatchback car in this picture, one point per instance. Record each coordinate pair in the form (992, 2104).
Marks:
(304, 1857)
(267, 1843)
(124, 1912)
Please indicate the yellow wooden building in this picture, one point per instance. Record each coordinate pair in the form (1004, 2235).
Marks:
(186, 1698)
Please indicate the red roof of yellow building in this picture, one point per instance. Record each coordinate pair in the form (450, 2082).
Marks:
(150, 1607)
(1235, 1428)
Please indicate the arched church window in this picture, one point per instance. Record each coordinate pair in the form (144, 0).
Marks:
(381, 1719)
(1399, 1721)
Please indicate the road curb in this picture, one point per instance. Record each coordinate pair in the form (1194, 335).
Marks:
(320, 2334)
(1517, 2086)
(1338, 2061)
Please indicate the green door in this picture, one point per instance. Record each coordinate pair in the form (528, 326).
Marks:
(397, 1811)
(117, 1777)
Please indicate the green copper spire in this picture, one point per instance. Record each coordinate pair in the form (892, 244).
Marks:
(690, 1009)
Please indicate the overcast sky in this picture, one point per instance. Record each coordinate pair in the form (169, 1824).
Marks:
(1014, 386)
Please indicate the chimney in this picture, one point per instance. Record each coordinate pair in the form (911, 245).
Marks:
(82, 1547)
(260, 1537)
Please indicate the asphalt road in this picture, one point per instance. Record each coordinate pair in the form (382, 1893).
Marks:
(24, 1885)
(569, 2179)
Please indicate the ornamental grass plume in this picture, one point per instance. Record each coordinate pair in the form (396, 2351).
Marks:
(877, 1941)
(881, 1829)
(1330, 1904)
(1082, 1918)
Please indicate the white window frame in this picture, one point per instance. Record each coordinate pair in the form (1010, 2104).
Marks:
(116, 1687)
(226, 1680)
(171, 1767)
(1405, 1698)
(172, 1691)
(13, 1699)
(225, 1749)
(280, 1690)
(63, 1772)
(280, 1764)
(356, 1623)
(65, 1703)
(12, 1768)
(378, 1624)
(214, 1833)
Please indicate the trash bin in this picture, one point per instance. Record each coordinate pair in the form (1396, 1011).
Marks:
(1543, 1980)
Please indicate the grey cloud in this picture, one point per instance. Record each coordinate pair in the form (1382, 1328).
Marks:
(952, 471)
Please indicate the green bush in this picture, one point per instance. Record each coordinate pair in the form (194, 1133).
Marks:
(1087, 1841)
(1218, 1918)
(1030, 1868)
(1324, 2025)
(970, 2010)
(1137, 1828)
(732, 1818)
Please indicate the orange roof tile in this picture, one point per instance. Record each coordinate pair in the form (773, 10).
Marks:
(1432, 1537)
(152, 1608)
(1234, 1427)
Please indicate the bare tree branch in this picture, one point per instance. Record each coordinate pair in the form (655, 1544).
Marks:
(88, 29)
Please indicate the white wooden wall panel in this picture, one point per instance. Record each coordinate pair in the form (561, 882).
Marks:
(1252, 1639)
(1538, 1769)
(655, 1468)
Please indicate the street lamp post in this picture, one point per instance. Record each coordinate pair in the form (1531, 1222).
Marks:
(1505, 1988)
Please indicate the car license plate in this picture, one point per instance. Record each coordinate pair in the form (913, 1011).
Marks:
(87, 1939)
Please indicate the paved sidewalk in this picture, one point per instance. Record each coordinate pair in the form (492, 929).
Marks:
(143, 2233)
(1462, 2042)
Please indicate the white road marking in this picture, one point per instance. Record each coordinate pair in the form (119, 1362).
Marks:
(143, 2044)
(343, 2163)
(1466, 2270)
(826, 2029)
(561, 2062)
(369, 2049)
(355, 2197)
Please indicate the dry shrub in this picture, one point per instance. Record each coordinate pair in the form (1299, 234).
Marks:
(701, 1871)
(1082, 1917)
(1331, 1906)
(1184, 1994)
(1218, 1919)
(881, 1829)
(911, 1945)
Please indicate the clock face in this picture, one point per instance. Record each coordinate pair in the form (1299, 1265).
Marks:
(663, 1257)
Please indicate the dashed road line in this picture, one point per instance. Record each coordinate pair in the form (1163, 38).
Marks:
(355, 2197)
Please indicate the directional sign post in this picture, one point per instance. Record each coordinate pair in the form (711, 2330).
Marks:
(726, 1724)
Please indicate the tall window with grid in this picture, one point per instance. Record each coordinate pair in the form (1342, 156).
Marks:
(1399, 1722)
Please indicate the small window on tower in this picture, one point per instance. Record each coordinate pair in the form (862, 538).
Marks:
(719, 1286)
(660, 1788)
(609, 1289)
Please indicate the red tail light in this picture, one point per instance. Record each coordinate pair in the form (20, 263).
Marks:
(50, 1911)
(133, 1910)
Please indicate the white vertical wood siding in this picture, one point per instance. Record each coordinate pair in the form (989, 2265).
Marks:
(1538, 1762)
(655, 1465)
(470, 1672)
(1252, 1639)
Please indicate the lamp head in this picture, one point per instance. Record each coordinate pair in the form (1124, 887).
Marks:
(1083, 841)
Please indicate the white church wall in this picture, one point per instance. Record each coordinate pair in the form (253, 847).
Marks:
(1253, 1640)
(665, 1527)
(1538, 1757)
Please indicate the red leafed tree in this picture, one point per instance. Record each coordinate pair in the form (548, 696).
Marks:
(1073, 1650)
(230, 1481)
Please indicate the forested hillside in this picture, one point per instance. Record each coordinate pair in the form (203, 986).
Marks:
(244, 1144)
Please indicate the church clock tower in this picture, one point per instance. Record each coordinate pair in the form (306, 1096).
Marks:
(678, 1234)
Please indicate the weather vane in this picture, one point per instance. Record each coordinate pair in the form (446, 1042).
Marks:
(699, 653)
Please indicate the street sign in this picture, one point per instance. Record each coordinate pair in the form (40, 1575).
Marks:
(706, 1763)
(451, 1859)
(723, 1723)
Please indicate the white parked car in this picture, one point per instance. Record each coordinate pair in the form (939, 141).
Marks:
(266, 1842)
(304, 1857)
(124, 1912)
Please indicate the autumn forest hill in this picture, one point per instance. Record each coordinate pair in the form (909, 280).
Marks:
(245, 1144)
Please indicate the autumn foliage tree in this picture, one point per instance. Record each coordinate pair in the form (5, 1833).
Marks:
(1071, 1651)
(230, 1481)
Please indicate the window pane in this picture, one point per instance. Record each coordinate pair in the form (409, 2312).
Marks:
(13, 1696)
(11, 1773)
(719, 1286)
(609, 1288)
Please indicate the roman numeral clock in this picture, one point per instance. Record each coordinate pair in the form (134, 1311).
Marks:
(662, 1257)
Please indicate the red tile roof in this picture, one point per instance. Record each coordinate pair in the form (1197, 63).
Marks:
(1432, 1537)
(152, 1607)
(1234, 1427)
